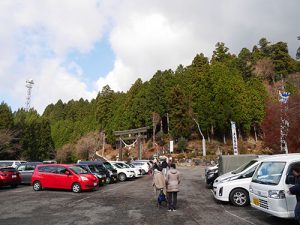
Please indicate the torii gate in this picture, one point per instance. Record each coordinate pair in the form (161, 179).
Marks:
(138, 134)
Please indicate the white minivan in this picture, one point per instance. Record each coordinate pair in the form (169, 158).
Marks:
(234, 186)
(269, 188)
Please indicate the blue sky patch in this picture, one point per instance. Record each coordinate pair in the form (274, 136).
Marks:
(96, 63)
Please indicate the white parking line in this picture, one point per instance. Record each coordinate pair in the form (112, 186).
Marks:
(112, 189)
(17, 191)
(230, 213)
(81, 199)
(115, 188)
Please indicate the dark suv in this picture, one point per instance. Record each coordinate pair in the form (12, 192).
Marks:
(97, 168)
(113, 173)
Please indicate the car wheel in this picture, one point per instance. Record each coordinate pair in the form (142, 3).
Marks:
(122, 177)
(76, 188)
(108, 180)
(239, 197)
(14, 185)
(143, 172)
(37, 186)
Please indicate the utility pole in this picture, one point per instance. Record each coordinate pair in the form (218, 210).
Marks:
(203, 138)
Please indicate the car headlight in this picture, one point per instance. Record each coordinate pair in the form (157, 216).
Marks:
(277, 194)
(84, 178)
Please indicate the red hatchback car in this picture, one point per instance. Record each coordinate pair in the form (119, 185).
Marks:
(63, 176)
(9, 176)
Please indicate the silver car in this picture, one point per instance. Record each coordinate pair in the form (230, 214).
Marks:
(26, 171)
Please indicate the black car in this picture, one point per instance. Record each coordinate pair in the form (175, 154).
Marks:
(26, 171)
(211, 173)
(97, 168)
(113, 173)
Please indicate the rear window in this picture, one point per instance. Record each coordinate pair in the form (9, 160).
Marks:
(8, 170)
(6, 164)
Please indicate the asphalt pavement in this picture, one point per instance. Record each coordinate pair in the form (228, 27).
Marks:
(130, 202)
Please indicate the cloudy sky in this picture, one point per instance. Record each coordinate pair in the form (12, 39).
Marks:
(72, 48)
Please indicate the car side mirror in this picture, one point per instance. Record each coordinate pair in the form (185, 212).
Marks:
(67, 173)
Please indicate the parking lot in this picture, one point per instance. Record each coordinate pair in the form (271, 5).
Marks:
(130, 202)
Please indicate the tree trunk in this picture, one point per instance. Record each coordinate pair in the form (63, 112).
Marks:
(240, 134)
(224, 139)
(255, 134)
(208, 138)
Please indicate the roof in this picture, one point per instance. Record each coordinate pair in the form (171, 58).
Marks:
(90, 163)
(51, 164)
(282, 157)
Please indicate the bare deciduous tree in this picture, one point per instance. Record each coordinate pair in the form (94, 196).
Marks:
(66, 154)
(87, 146)
(264, 68)
(8, 142)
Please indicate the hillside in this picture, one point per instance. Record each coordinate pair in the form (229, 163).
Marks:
(242, 88)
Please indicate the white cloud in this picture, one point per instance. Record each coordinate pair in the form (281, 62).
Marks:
(36, 37)
(156, 35)
(119, 79)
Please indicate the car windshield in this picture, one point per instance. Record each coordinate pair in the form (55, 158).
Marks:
(118, 166)
(100, 167)
(123, 165)
(6, 164)
(243, 167)
(269, 173)
(93, 168)
(108, 166)
(78, 170)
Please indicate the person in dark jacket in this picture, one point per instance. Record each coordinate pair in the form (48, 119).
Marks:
(295, 190)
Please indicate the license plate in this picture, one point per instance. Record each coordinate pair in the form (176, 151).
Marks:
(255, 201)
(13, 176)
(95, 184)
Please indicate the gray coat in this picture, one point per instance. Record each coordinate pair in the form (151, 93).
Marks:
(172, 180)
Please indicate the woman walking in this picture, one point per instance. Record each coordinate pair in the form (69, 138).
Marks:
(159, 182)
(172, 181)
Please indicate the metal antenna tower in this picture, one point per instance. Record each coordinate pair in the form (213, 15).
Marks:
(29, 85)
(284, 123)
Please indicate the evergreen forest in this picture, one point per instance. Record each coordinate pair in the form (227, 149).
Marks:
(212, 91)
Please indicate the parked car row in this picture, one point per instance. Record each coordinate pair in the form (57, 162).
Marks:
(85, 175)
(263, 182)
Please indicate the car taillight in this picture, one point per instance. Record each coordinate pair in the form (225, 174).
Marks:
(3, 174)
